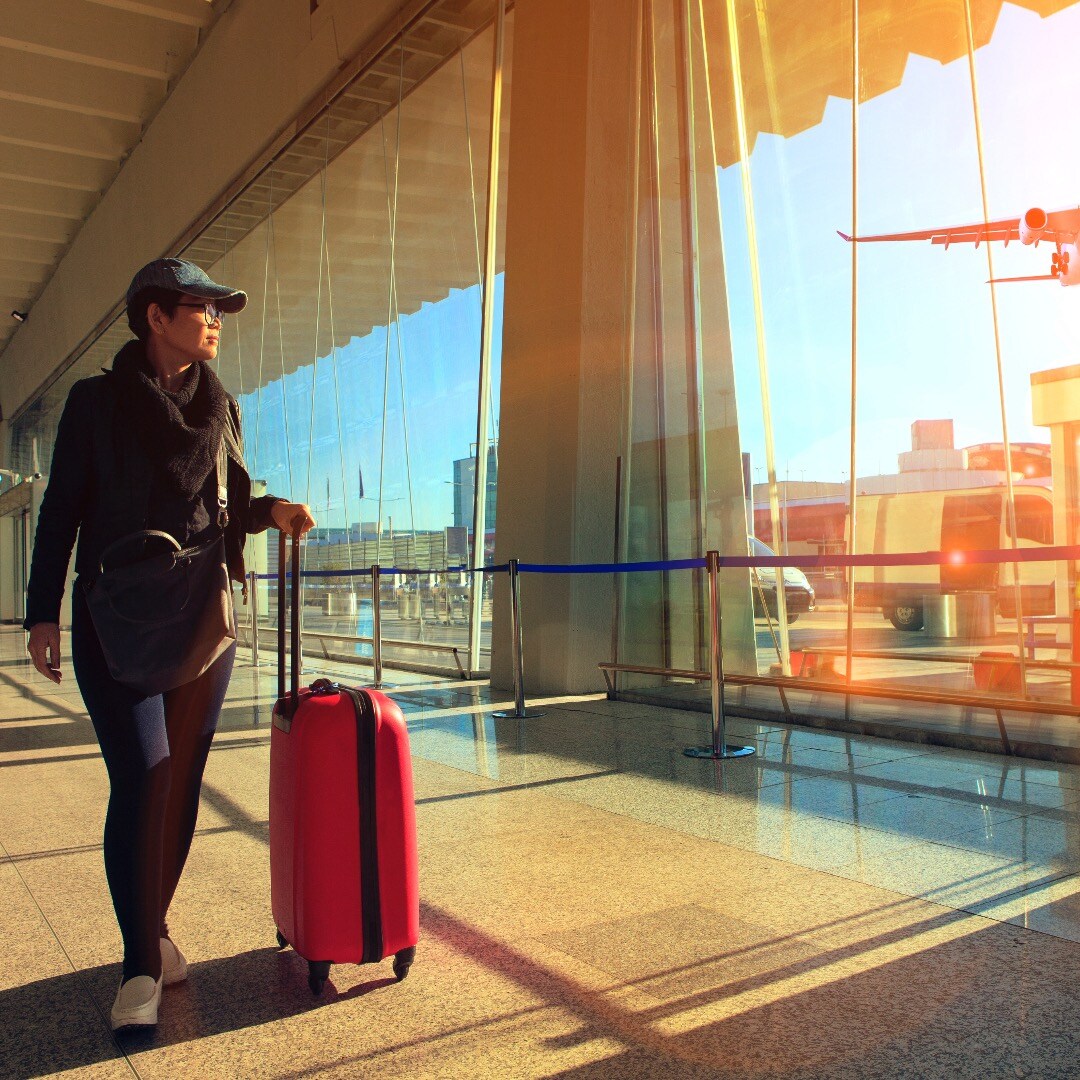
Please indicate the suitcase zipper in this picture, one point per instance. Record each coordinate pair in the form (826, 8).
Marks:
(370, 906)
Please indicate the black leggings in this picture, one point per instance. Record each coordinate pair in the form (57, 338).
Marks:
(155, 749)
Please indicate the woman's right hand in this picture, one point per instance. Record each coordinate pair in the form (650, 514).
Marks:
(44, 649)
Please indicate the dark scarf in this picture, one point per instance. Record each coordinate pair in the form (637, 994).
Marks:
(180, 431)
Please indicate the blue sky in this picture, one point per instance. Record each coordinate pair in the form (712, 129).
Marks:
(926, 346)
(433, 364)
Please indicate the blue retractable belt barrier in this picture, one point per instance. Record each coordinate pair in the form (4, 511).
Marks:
(610, 568)
(1061, 553)
(808, 562)
(909, 558)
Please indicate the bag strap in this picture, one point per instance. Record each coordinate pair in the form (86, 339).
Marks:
(222, 484)
(144, 534)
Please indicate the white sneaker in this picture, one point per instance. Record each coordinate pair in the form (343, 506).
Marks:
(173, 963)
(136, 1003)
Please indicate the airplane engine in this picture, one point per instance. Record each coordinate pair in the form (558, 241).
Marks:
(1069, 265)
(1032, 225)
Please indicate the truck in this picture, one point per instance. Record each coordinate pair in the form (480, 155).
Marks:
(953, 521)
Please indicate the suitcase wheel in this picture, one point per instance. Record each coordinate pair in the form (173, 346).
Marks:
(281, 941)
(403, 961)
(318, 973)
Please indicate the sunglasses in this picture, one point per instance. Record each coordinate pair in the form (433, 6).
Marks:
(211, 312)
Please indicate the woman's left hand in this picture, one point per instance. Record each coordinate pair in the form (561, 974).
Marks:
(293, 518)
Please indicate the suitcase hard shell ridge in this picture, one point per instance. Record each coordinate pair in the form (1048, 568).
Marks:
(343, 859)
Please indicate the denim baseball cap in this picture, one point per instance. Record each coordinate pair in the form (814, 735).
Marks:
(183, 276)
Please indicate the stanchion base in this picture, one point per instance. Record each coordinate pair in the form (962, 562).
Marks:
(729, 751)
(513, 714)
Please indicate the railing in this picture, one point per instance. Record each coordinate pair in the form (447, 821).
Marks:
(803, 680)
(1024, 660)
(377, 641)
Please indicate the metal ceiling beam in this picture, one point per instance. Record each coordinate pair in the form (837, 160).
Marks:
(33, 211)
(61, 170)
(61, 84)
(65, 133)
(82, 58)
(46, 182)
(15, 270)
(17, 293)
(31, 251)
(197, 13)
(98, 37)
(21, 227)
(42, 199)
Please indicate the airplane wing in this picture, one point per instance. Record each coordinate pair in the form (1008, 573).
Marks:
(1062, 227)
(1064, 224)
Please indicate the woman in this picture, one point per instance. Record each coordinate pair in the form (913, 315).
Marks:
(137, 448)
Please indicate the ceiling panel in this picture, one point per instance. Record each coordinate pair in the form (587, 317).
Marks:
(99, 36)
(64, 85)
(55, 169)
(79, 82)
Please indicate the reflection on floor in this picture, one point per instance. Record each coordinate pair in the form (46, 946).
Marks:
(594, 904)
(906, 661)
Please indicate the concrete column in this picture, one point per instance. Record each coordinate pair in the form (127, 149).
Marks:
(574, 235)
(569, 203)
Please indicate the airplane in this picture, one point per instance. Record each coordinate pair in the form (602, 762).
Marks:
(1059, 227)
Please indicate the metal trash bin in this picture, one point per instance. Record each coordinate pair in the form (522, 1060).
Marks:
(965, 615)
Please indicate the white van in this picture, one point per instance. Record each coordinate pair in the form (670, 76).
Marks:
(798, 592)
(964, 519)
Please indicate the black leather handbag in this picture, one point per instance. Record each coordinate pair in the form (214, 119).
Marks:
(164, 619)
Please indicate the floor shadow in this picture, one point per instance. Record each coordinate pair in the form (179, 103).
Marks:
(62, 735)
(59, 1024)
(19, 662)
(928, 1009)
(72, 728)
(246, 717)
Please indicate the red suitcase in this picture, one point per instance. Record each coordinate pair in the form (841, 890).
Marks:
(343, 865)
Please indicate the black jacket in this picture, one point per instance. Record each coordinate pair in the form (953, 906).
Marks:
(99, 489)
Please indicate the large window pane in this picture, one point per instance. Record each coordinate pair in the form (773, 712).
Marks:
(358, 360)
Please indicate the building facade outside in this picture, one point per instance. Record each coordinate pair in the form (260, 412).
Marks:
(465, 488)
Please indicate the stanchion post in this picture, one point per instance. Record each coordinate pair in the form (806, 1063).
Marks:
(520, 711)
(720, 747)
(253, 593)
(376, 626)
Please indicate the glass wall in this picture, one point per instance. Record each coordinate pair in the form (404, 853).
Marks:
(357, 362)
(848, 345)
(901, 393)
(359, 372)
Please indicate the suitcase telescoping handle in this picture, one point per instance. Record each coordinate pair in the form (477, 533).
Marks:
(290, 703)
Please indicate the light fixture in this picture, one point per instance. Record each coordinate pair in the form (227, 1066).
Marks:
(20, 316)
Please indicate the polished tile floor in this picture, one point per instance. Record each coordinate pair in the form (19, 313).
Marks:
(594, 904)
